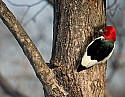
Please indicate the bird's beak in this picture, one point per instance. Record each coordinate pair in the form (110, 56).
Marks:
(102, 30)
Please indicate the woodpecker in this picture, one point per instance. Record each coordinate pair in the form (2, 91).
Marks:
(101, 48)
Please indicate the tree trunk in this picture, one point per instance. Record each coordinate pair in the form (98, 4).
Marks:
(76, 24)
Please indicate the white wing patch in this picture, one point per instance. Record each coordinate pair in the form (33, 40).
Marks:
(87, 62)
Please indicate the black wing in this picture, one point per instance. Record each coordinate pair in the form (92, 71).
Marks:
(100, 49)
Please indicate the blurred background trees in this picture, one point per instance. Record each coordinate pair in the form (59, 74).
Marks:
(36, 16)
(115, 14)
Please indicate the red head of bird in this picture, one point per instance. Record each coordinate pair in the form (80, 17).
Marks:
(109, 33)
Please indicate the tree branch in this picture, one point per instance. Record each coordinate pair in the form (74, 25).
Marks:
(43, 72)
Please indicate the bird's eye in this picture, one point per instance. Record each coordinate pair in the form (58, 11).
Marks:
(104, 30)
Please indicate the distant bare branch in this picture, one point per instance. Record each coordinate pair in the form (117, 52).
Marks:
(51, 2)
(8, 89)
(27, 5)
(21, 21)
(28, 8)
(110, 6)
(120, 8)
(35, 15)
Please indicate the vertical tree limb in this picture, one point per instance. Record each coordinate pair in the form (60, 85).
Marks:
(76, 24)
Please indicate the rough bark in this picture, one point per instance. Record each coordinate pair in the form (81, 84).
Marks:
(76, 23)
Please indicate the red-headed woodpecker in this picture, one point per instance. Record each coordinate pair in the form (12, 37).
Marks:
(101, 48)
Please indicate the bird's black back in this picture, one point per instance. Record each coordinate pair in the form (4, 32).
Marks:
(100, 49)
